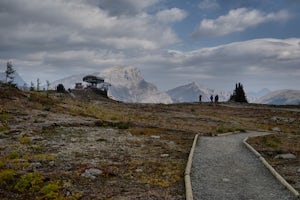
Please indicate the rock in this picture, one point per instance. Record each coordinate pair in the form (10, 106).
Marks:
(139, 170)
(91, 173)
(35, 165)
(285, 156)
(225, 179)
(276, 129)
(298, 170)
(164, 155)
(155, 136)
(52, 163)
(283, 119)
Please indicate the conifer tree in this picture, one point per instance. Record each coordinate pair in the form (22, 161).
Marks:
(32, 88)
(60, 88)
(9, 73)
(239, 94)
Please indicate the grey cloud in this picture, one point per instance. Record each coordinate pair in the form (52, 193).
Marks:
(126, 7)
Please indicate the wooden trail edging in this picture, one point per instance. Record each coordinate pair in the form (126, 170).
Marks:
(187, 177)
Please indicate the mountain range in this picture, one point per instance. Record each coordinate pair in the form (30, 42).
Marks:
(128, 85)
(281, 97)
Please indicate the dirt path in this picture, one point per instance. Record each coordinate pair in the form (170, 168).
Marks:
(223, 168)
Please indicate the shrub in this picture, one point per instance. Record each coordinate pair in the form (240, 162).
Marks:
(220, 129)
(1, 163)
(29, 182)
(14, 155)
(7, 175)
(3, 128)
(51, 191)
(113, 118)
(25, 140)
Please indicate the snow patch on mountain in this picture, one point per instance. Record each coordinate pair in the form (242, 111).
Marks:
(281, 97)
(253, 96)
(191, 92)
(127, 85)
(18, 80)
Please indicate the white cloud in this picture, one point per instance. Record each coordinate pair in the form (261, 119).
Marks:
(271, 63)
(208, 4)
(51, 39)
(171, 15)
(237, 20)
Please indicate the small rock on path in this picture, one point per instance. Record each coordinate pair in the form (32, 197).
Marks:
(223, 168)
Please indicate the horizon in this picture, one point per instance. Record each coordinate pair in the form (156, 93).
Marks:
(173, 43)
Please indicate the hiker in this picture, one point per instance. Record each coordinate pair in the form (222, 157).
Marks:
(211, 98)
(216, 98)
(200, 98)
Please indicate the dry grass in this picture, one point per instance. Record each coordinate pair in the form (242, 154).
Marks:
(141, 149)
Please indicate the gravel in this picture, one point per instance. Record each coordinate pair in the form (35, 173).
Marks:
(223, 168)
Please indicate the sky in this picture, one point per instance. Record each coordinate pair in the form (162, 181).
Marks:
(173, 42)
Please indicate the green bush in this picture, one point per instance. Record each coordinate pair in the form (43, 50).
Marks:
(7, 175)
(220, 129)
(14, 155)
(29, 183)
(1, 163)
(51, 191)
(25, 140)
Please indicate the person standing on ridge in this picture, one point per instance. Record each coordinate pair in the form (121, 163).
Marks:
(216, 98)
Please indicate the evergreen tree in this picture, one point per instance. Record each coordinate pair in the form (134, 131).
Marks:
(32, 88)
(239, 94)
(9, 73)
(60, 88)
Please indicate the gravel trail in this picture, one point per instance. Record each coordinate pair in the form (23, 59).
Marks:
(223, 168)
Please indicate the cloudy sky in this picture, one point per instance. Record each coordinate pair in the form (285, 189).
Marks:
(173, 42)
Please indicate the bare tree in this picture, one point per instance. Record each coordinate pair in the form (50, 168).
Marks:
(38, 83)
(48, 84)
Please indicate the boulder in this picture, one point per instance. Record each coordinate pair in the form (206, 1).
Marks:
(276, 129)
(285, 156)
(91, 173)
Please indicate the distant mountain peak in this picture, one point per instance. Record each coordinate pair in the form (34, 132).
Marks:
(190, 93)
(127, 85)
(281, 97)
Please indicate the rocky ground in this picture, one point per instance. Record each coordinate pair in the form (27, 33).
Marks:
(84, 146)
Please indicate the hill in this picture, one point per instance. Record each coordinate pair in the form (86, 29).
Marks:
(64, 145)
(281, 97)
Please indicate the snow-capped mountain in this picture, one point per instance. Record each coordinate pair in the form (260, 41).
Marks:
(127, 85)
(191, 92)
(281, 97)
(253, 96)
(18, 80)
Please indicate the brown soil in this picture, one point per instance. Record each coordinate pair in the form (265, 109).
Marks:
(139, 150)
